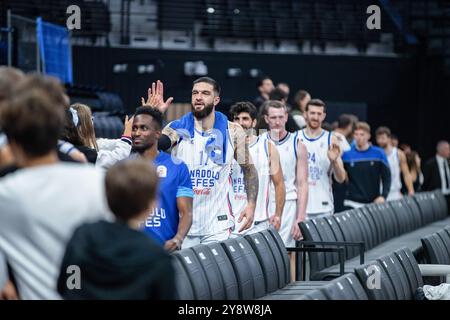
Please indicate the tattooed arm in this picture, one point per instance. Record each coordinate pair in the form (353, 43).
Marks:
(242, 156)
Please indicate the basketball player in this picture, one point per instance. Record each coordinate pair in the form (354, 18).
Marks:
(294, 164)
(267, 162)
(324, 159)
(397, 164)
(207, 142)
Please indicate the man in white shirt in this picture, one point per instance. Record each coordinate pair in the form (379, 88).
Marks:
(42, 203)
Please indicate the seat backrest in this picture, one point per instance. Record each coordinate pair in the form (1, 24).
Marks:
(365, 227)
(255, 267)
(392, 227)
(316, 294)
(310, 233)
(326, 234)
(339, 289)
(278, 258)
(375, 282)
(266, 260)
(376, 215)
(426, 208)
(414, 212)
(195, 273)
(403, 218)
(241, 269)
(442, 204)
(350, 231)
(445, 237)
(435, 204)
(358, 289)
(212, 271)
(372, 225)
(397, 275)
(182, 282)
(435, 252)
(284, 254)
(410, 265)
(226, 271)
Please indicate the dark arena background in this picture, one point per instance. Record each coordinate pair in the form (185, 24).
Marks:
(385, 63)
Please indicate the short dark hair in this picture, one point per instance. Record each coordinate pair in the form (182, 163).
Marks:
(130, 187)
(244, 106)
(155, 114)
(383, 130)
(316, 103)
(31, 118)
(344, 121)
(261, 80)
(277, 94)
(210, 81)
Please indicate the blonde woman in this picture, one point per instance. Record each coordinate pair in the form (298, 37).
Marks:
(109, 151)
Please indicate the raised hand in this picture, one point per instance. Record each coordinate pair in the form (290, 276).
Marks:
(334, 151)
(128, 126)
(155, 98)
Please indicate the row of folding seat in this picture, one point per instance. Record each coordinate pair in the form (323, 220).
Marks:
(395, 276)
(247, 267)
(359, 231)
(437, 247)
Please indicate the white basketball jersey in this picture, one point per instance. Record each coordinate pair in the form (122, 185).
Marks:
(287, 148)
(259, 151)
(320, 192)
(394, 165)
(211, 183)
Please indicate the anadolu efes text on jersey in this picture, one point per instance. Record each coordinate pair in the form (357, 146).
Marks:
(259, 151)
(210, 167)
(320, 195)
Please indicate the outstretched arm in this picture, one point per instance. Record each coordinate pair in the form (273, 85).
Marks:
(302, 189)
(242, 156)
(334, 154)
(184, 205)
(276, 175)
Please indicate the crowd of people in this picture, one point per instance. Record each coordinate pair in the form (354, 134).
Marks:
(92, 218)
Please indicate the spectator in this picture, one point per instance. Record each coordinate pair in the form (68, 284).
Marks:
(301, 99)
(264, 86)
(109, 151)
(43, 203)
(343, 133)
(366, 166)
(436, 172)
(406, 148)
(72, 135)
(414, 164)
(397, 164)
(116, 260)
(394, 140)
(285, 88)
(8, 78)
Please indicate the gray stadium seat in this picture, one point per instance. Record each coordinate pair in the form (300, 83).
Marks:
(226, 271)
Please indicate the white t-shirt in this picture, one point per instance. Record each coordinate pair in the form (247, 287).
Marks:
(39, 209)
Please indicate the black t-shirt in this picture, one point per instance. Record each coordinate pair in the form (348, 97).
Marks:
(117, 262)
